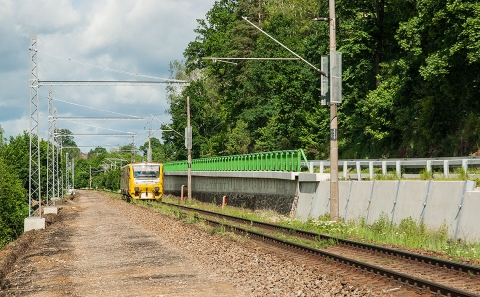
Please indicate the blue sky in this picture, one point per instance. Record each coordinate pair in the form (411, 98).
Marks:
(141, 36)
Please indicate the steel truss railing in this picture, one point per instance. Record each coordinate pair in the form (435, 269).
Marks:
(289, 160)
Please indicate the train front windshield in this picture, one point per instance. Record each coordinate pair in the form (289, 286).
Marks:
(146, 171)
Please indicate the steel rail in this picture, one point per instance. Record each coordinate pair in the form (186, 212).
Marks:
(365, 246)
(373, 269)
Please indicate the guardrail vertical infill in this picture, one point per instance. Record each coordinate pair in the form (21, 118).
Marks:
(269, 162)
(288, 160)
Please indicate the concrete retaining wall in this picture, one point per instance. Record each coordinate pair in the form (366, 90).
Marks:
(469, 218)
(255, 190)
(454, 204)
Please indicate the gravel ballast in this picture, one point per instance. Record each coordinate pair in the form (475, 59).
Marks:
(108, 247)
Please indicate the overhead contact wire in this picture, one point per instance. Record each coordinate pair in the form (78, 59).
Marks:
(101, 127)
(76, 104)
(110, 69)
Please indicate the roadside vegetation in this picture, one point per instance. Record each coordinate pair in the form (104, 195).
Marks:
(13, 208)
(408, 234)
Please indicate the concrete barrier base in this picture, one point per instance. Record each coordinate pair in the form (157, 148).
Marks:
(34, 223)
(50, 209)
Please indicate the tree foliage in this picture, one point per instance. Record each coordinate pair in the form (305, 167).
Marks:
(13, 208)
(410, 87)
(67, 142)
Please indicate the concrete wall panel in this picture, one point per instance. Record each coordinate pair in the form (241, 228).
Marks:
(306, 199)
(321, 204)
(442, 206)
(411, 196)
(343, 196)
(383, 198)
(359, 193)
(469, 222)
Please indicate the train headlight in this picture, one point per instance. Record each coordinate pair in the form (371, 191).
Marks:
(137, 189)
(157, 189)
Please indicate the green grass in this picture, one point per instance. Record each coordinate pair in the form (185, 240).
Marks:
(391, 175)
(408, 233)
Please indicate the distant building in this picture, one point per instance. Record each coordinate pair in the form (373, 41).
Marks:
(83, 156)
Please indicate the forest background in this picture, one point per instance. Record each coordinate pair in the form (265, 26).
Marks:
(411, 74)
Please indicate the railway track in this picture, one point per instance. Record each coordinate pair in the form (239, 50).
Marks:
(418, 273)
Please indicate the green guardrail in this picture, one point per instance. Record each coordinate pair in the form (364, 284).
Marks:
(290, 161)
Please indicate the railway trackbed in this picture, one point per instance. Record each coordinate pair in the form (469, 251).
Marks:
(420, 275)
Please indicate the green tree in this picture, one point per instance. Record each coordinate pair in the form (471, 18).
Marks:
(408, 88)
(158, 150)
(82, 173)
(2, 139)
(17, 155)
(97, 151)
(239, 139)
(207, 116)
(13, 208)
(65, 139)
(441, 44)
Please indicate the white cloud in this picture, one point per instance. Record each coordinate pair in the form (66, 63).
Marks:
(17, 126)
(140, 36)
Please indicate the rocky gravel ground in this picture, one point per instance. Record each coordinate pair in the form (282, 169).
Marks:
(250, 267)
(104, 246)
(93, 250)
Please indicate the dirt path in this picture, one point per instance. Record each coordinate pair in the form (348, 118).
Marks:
(96, 251)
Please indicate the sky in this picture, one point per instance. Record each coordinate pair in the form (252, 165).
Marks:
(93, 40)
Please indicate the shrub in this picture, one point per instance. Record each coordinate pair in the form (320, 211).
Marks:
(13, 208)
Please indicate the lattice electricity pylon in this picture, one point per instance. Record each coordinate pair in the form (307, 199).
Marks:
(50, 151)
(60, 169)
(34, 164)
(56, 156)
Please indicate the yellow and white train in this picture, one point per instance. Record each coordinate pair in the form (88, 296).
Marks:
(142, 181)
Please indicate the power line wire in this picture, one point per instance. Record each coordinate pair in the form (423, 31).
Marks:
(108, 69)
(93, 126)
(76, 104)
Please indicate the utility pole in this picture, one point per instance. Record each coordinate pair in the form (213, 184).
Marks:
(334, 193)
(133, 148)
(188, 142)
(149, 151)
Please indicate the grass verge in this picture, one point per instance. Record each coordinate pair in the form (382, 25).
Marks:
(408, 234)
